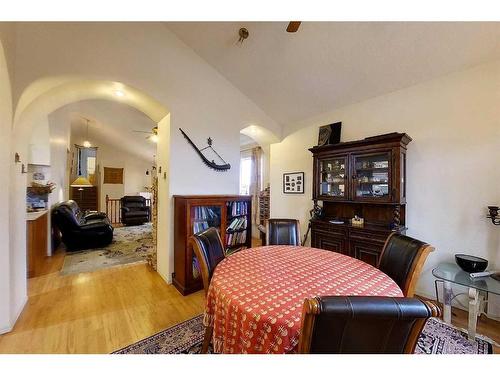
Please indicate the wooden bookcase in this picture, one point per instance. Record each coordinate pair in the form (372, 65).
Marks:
(365, 178)
(230, 214)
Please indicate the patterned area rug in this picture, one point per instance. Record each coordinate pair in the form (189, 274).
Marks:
(130, 245)
(187, 337)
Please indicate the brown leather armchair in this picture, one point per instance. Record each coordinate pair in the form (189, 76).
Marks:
(209, 250)
(402, 259)
(363, 325)
(283, 232)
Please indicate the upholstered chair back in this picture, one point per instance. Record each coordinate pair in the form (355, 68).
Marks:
(363, 325)
(283, 232)
(208, 248)
(402, 259)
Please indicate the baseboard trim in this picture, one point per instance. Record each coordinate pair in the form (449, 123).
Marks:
(17, 315)
(165, 277)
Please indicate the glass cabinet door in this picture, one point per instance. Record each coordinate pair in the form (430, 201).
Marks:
(372, 177)
(333, 176)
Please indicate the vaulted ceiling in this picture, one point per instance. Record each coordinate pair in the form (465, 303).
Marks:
(326, 65)
(113, 124)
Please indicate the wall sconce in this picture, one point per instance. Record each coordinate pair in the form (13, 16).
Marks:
(495, 219)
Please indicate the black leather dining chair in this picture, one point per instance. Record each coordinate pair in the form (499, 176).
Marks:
(209, 250)
(363, 325)
(402, 259)
(283, 232)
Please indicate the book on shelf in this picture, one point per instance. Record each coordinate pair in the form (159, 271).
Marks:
(199, 226)
(236, 238)
(238, 208)
(202, 212)
(204, 218)
(237, 224)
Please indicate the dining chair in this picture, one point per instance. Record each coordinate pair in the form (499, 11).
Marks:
(363, 325)
(283, 232)
(209, 251)
(402, 259)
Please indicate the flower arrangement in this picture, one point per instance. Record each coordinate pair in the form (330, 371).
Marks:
(40, 189)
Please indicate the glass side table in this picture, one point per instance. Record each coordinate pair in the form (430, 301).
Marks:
(448, 274)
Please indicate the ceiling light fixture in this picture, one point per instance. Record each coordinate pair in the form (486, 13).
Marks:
(119, 93)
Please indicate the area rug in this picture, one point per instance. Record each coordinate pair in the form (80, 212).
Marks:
(130, 245)
(187, 337)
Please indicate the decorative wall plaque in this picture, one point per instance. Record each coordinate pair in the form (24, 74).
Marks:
(113, 175)
(293, 183)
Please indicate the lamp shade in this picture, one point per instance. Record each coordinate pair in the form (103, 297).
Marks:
(81, 182)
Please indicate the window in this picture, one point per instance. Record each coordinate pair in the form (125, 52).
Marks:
(86, 162)
(245, 175)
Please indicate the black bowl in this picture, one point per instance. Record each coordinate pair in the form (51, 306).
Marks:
(470, 263)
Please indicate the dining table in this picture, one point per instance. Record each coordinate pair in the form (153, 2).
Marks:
(254, 302)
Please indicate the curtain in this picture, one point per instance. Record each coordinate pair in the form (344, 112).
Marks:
(256, 181)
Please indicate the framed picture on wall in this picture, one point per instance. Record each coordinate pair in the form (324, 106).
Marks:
(293, 183)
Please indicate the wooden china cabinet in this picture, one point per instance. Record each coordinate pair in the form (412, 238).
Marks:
(366, 178)
(230, 214)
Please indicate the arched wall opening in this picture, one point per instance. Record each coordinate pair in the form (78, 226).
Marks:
(264, 138)
(255, 179)
(36, 103)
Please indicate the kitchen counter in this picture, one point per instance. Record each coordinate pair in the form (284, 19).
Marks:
(30, 216)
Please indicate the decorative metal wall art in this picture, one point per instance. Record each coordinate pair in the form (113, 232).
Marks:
(211, 164)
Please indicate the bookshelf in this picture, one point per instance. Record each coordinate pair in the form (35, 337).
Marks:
(230, 214)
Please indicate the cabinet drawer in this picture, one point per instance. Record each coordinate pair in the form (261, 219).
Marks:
(363, 235)
(333, 229)
(331, 242)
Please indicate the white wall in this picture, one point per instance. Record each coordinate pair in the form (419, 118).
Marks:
(39, 143)
(5, 165)
(453, 161)
(60, 131)
(200, 100)
(164, 238)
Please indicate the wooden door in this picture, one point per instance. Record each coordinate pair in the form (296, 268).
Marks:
(336, 243)
(368, 252)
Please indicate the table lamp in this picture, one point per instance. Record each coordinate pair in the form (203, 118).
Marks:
(80, 183)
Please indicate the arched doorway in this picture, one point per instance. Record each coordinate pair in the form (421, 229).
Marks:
(37, 101)
(255, 142)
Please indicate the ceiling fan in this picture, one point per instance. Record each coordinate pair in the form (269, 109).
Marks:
(293, 26)
(153, 134)
(243, 33)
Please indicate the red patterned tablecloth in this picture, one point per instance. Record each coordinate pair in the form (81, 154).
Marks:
(255, 298)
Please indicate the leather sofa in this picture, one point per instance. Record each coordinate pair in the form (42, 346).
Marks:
(134, 210)
(81, 230)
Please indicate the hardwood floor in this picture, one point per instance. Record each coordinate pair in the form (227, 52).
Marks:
(97, 312)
